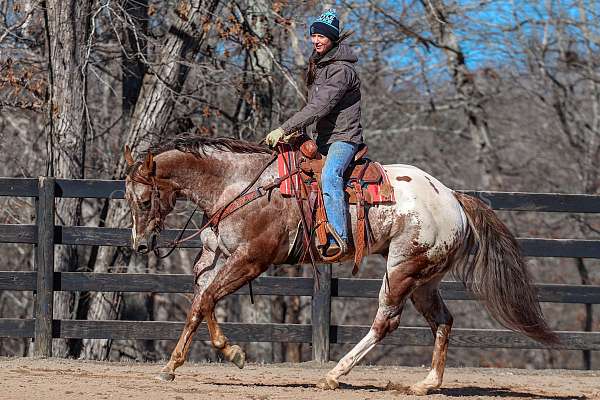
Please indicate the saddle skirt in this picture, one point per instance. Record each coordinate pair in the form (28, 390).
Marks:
(366, 184)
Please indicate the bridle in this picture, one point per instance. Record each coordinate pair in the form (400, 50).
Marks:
(155, 218)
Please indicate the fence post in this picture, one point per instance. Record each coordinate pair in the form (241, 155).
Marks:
(321, 314)
(44, 262)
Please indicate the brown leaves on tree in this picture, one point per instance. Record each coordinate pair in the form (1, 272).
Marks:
(18, 84)
(183, 10)
(277, 6)
(151, 10)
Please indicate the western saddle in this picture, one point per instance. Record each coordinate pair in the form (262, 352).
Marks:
(366, 184)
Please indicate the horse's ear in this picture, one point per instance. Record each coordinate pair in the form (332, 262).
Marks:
(128, 156)
(149, 163)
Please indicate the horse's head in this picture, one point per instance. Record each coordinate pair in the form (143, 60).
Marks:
(150, 199)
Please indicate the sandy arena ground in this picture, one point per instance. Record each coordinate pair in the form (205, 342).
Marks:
(53, 379)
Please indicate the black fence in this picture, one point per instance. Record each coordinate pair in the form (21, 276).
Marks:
(43, 282)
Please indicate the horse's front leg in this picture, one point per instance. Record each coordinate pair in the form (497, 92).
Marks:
(233, 353)
(205, 270)
(245, 264)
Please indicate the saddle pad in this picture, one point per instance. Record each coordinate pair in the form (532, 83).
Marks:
(375, 189)
(286, 161)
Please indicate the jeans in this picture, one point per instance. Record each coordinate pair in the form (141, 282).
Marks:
(339, 156)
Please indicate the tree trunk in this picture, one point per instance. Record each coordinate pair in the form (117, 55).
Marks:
(465, 85)
(261, 64)
(259, 111)
(68, 29)
(150, 116)
(133, 67)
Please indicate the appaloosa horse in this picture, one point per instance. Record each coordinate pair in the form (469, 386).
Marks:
(427, 232)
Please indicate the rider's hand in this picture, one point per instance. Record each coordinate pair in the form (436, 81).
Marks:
(278, 135)
(274, 137)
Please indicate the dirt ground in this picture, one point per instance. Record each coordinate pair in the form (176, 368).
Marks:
(51, 379)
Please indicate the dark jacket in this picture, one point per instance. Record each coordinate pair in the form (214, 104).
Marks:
(333, 100)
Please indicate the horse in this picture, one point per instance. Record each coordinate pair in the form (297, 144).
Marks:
(428, 231)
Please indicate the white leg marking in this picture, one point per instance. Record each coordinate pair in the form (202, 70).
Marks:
(361, 349)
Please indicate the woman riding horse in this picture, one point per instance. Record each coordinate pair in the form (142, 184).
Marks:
(429, 230)
(334, 103)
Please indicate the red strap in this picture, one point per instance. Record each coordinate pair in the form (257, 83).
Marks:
(359, 240)
(238, 203)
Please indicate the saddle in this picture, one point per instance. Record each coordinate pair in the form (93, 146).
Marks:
(300, 166)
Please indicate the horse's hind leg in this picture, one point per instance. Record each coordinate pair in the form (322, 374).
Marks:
(387, 319)
(429, 303)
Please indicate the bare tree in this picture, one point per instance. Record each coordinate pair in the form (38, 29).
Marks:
(68, 30)
(162, 82)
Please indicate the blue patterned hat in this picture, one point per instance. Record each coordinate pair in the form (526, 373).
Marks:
(327, 24)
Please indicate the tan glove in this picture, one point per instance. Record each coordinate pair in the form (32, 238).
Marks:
(276, 136)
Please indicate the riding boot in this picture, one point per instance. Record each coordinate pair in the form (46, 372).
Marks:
(337, 247)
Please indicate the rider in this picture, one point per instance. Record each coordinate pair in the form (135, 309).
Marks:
(334, 103)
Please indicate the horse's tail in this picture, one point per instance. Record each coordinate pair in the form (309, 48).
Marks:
(497, 275)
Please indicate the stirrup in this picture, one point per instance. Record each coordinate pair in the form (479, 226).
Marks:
(340, 245)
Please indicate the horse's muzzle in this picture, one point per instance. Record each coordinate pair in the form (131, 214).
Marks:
(146, 245)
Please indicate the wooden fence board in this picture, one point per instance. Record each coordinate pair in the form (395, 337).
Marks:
(18, 280)
(481, 338)
(547, 202)
(160, 330)
(512, 201)
(552, 293)
(296, 333)
(90, 188)
(560, 247)
(172, 283)
(532, 247)
(19, 187)
(13, 233)
(79, 235)
(90, 236)
(267, 285)
(13, 327)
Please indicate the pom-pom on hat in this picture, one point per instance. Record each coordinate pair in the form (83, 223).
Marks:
(327, 25)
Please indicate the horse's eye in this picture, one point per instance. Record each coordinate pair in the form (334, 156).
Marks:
(146, 204)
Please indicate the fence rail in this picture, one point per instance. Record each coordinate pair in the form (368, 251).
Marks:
(44, 281)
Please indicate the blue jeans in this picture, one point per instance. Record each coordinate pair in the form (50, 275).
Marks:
(339, 156)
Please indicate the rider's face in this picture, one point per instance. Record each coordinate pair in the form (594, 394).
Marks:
(321, 43)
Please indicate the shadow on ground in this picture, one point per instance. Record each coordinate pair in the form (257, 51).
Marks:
(467, 391)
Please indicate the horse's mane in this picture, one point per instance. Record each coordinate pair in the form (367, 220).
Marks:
(195, 144)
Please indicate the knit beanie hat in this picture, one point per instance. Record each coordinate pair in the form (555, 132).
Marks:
(327, 25)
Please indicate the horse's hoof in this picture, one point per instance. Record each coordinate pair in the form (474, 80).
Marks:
(166, 376)
(419, 390)
(238, 356)
(396, 387)
(328, 384)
